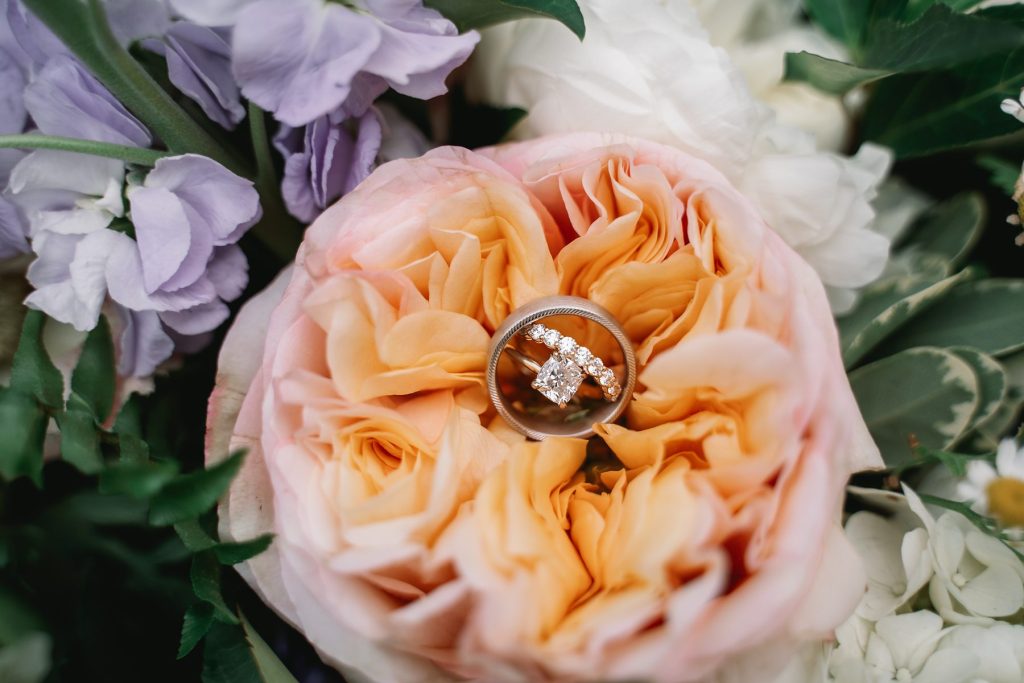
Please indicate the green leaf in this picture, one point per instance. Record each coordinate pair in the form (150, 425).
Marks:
(79, 437)
(239, 655)
(94, 376)
(986, 315)
(234, 553)
(277, 228)
(829, 75)
(196, 624)
(197, 540)
(941, 38)
(920, 396)
(950, 229)
(131, 448)
(23, 425)
(992, 382)
(270, 667)
(886, 307)
(190, 495)
(471, 14)
(33, 372)
(138, 479)
(131, 155)
(1004, 173)
(205, 575)
(844, 19)
(921, 114)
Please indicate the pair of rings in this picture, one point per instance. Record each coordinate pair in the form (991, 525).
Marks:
(561, 378)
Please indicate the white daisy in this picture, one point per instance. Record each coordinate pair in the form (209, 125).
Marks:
(997, 490)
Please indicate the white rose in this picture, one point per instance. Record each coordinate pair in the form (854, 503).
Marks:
(649, 69)
(757, 35)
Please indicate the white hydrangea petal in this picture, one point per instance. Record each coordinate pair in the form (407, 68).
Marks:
(949, 665)
(996, 592)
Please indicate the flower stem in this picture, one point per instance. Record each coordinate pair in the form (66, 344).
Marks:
(132, 155)
(83, 27)
(277, 229)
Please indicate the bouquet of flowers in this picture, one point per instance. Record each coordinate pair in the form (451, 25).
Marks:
(409, 341)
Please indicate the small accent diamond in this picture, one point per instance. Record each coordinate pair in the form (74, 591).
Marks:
(607, 377)
(558, 380)
(551, 338)
(536, 332)
(582, 356)
(613, 391)
(595, 366)
(566, 346)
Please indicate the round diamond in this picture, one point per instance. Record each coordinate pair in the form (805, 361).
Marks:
(566, 345)
(595, 366)
(582, 356)
(607, 377)
(536, 332)
(613, 390)
(551, 338)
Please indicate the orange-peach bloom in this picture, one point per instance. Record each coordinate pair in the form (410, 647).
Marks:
(419, 539)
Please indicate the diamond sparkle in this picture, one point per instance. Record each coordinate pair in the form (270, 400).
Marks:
(558, 379)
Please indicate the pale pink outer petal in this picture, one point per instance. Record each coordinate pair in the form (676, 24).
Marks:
(282, 579)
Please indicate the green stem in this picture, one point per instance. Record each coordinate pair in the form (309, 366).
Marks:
(132, 155)
(84, 29)
(277, 229)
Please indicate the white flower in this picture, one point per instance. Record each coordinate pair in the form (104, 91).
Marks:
(908, 648)
(985, 485)
(1014, 108)
(757, 34)
(971, 577)
(649, 69)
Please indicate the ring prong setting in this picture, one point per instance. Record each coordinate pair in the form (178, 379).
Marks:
(558, 380)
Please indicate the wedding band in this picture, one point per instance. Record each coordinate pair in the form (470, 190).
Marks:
(561, 376)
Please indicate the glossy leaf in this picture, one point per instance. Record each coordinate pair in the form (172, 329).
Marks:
(270, 667)
(190, 495)
(949, 230)
(471, 14)
(95, 376)
(887, 306)
(987, 315)
(139, 479)
(920, 396)
(829, 75)
(33, 372)
(993, 383)
(922, 114)
(194, 627)
(23, 426)
(205, 575)
(80, 437)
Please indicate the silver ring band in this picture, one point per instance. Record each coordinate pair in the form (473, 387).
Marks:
(614, 405)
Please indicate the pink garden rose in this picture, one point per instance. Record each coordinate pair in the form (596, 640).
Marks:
(418, 538)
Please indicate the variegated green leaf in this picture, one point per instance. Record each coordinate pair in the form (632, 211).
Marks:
(950, 229)
(886, 307)
(987, 315)
(921, 396)
(992, 382)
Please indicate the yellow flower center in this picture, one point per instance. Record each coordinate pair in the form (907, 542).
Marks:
(1006, 500)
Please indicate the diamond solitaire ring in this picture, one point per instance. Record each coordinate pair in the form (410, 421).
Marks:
(562, 378)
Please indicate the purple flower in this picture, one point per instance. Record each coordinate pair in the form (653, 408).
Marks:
(143, 344)
(181, 266)
(302, 59)
(13, 237)
(199, 65)
(325, 159)
(65, 99)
